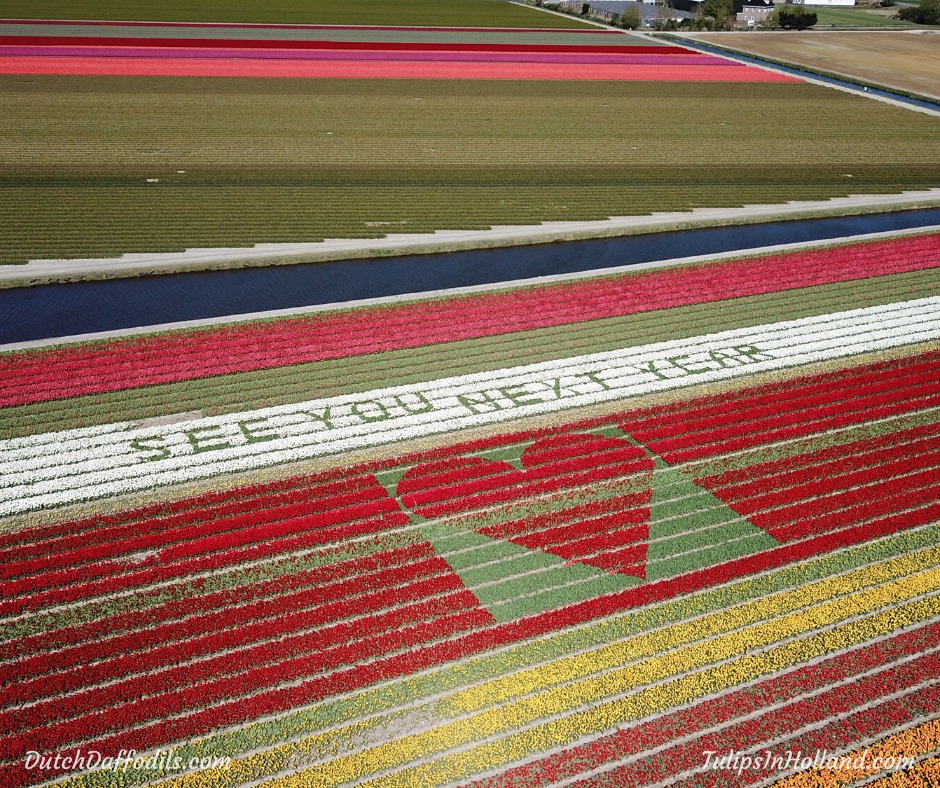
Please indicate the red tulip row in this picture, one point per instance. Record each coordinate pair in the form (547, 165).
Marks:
(857, 725)
(212, 624)
(607, 508)
(137, 578)
(522, 490)
(324, 528)
(212, 656)
(137, 623)
(631, 511)
(253, 687)
(39, 539)
(127, 363)
(755, 425)
(284, 496)
(507, 481)
(867, 724)
(768, 477)
(369, 500)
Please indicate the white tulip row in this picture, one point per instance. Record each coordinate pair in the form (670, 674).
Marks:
(59, 468)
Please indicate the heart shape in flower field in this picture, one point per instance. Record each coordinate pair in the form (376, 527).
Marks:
(583, 497)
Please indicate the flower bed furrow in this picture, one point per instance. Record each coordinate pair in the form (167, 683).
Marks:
(210, 658)
(160, 711)
(722, 710)
(140, 622)
(130, 363)
(856, 583)
(775, 725)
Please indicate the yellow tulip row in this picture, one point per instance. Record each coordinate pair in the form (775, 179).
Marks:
(592, 705)
(358, 721)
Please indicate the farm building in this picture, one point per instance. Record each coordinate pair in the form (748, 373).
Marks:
(755, 11)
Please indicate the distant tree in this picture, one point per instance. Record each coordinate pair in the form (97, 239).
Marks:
(719, 10)
(796, 19)
(631, 19)
(585, 9)
(927, 13)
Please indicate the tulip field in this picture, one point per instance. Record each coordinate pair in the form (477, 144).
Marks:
(677, 525)
(163, 136)
(671, 526)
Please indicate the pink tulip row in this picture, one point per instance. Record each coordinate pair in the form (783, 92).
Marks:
(222, 66)
(128, 363)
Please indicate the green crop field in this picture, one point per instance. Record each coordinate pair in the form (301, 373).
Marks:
(468, 13)
(852, 17)
(95, 166)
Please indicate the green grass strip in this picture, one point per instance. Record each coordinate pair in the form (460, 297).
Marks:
(488, 666)
(297, 383)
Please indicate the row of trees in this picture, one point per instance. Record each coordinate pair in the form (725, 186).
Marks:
(927, 13)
